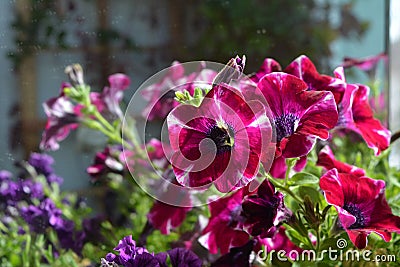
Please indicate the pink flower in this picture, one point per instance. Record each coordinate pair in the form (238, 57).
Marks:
(221, 141)
(327, 160)
(361, 205)
(303, 68)
(299, 116)
(164, 217)
(224, 226)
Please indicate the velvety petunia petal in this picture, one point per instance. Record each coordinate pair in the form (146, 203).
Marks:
(303, 68)
(269, 65)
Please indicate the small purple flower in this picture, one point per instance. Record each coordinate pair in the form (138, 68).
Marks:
(5, 176)
(43, 165)
(39, 218)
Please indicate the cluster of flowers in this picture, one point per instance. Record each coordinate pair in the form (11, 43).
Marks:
(29, 199)
(263, 128)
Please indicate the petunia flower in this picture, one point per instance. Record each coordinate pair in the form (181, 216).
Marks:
(111, 96)
(264, 211)
(356, 114)
(303, 68)
(160, 96)
(299, 116)
(164, 217)
(62, 117)
(237, 256)
(219, 142)
(361, 205)
(269, 65)
(327, 160)
(224, 226)
(181, 257)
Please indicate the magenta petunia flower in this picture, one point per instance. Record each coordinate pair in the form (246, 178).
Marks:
(62, 117)
(303, 68)
(219, 142)
(327, 160)
(224, 226)
(264, 211)
(356, 114)
(161, 95)
(113, 94)
(164, 217)
(361, 205)
(269, 65)
(366, 64)
(107, 161)
(299, 116)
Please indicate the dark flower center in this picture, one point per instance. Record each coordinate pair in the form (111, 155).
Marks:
(222, 136)
(356, 212)
(285, 125)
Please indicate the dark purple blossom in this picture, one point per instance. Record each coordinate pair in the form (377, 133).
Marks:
(39, 218)
(237, 256)
(43, 165)
(264, 211)
(181, 257)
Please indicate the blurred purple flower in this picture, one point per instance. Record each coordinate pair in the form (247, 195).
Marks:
(43, 165)
(39, 218)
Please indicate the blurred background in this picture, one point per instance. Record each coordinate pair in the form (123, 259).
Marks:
(39, 38)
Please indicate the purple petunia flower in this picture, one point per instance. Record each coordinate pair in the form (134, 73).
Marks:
(361, 205)
(43, 165)
(299, 116)
(161, 95)
(181, 257)
(39, 218)
(221, 142)
(264, 211)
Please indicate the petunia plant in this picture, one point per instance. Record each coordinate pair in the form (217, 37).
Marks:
(282, 166)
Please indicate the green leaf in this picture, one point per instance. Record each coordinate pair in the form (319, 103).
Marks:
(302, 178)
(311, 192)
